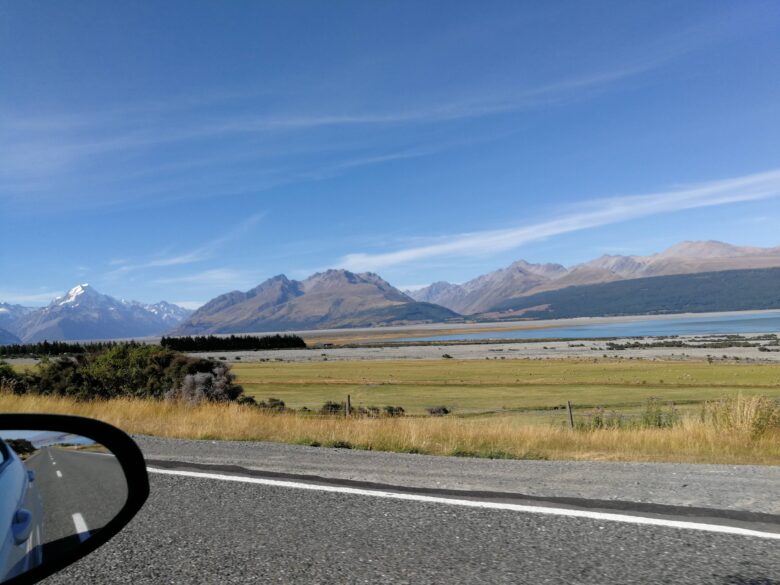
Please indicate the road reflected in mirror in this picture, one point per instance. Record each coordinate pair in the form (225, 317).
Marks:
(56, 491)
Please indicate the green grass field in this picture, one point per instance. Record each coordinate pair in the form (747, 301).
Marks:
(494, 402)
(531, 389)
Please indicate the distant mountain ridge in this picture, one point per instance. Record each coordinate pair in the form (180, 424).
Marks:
(521, 278)
(724, 290)
(6, 337)
(341, 299)
(85, 314)
(10, 313)
(330, 299)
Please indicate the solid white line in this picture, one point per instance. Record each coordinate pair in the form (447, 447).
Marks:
(81, 527)
(59, 473)
(604, 516)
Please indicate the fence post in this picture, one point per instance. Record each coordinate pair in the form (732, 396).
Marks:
(571, 416)
(349, 406)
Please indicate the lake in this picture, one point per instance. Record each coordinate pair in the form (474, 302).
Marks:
(768, 322)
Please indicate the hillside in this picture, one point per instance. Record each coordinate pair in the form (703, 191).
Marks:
(522, 278)
(6, 337)
(335, 298)
(728, 290)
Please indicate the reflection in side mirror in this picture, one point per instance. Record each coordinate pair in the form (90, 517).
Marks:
(62, 494)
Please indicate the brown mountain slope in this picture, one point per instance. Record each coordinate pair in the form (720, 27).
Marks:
(522, 278)
(334, 298)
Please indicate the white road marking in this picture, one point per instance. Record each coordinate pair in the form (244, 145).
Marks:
(546, 510)
(81, 527)
(59, 473)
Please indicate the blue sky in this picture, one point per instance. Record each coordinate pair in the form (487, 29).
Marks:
(179, 150)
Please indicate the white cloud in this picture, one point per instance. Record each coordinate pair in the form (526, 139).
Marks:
(191, 305)
(203, 252)
(33, 298)
(411, 287)
(597, 213)
(217, 276)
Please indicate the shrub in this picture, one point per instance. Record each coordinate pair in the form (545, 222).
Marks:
(655, 416)
(214, 386)
(438, 410)
(273, 404)
(753, 415)
(137, 371)
(20, 446)
(600, 418)
(341, 445)
(331, 407)
(394, 411)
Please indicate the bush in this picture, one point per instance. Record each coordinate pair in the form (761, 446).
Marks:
(331, 407)
(600, 418)
(214, 386)
(394, 411)
(367, 411)
(655, 416)
(438, 410)
(273, 404)
(753, 415)
(21, 446)
(12, 382)
(137, 371)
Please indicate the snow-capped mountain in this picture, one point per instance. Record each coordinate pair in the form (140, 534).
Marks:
(168, 312)
(10, 313)
(84, 313)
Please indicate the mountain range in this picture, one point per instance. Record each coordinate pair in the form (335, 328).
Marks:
(520, 279)
(690, 276)
(330, 299)
(85, 314)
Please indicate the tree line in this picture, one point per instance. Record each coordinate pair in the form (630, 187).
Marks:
(233, 343)
(55, 348)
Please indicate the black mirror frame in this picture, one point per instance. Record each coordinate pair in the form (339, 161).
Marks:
(129, 457)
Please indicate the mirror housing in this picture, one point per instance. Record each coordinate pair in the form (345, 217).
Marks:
(127, 454)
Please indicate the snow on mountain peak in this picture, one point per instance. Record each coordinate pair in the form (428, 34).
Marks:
(74, 294)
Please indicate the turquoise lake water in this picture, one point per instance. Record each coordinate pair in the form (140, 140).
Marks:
(705, 325)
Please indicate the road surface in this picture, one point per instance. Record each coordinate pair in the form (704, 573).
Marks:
(80, 491)
(210, 519)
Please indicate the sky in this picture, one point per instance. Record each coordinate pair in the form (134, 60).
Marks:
(179, 150)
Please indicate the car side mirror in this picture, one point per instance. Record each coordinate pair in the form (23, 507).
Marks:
(67, 485)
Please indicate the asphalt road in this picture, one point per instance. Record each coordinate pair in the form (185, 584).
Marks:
(261, 526)
(80, 492)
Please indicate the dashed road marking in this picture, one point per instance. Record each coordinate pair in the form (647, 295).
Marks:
(81, 527)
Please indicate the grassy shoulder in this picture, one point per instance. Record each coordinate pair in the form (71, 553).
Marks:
(725, 432)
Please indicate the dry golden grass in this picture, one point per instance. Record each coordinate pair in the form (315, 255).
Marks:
(725, 432)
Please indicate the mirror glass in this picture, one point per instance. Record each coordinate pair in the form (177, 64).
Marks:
(56, 491)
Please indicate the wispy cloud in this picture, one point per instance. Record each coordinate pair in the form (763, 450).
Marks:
(203, 252)
(217, 276)
(596, 213)
(27, 297)
(191, 305)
